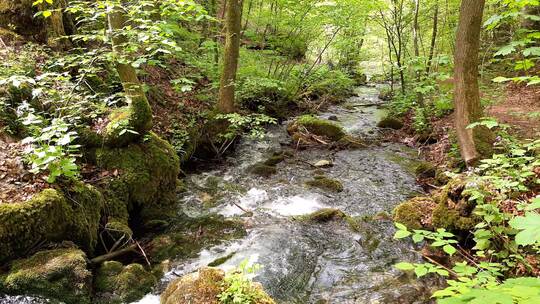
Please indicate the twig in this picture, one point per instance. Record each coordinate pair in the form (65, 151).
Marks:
(109, 256)
(143, 253)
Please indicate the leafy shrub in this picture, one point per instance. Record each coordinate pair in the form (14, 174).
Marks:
(291, 47)
(238, 288)
(266, 95)
(324, 83)
(506, 237)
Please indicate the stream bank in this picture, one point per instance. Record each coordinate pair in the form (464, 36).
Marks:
(277, 218)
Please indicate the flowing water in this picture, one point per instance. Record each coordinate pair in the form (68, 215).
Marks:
(310, 262)
(307, 262)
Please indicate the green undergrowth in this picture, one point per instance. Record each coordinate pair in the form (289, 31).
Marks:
(487, 223)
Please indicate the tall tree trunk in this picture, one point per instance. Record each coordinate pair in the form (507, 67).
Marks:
(233, 24)
(416, 31)
(434, 34)
(139, 118)
(474, 143)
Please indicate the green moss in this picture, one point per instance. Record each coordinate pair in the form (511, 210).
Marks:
(328, 215)
(263, 170)
(221, 260)
(325, 183)
(204, 287)
(51, 216)
(411, 212)
(118, 284)
(451, 219)
(390, 123)
(87, 204)
(41, 218)
(148, 173)
(196, 234)
(317, 126)
(425, 170)
(58, 274)
(275, 159)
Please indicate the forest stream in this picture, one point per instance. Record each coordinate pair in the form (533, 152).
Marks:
(311, 261)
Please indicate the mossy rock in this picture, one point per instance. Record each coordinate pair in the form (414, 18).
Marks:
(59, 274)
(413, 212)
(325, 183)
(317, 126)
(425, 170)
(204, 287)
(116, 283)
(19, 16)
(328, 215)
(262, 169)
(147, 180)
(390, 123)
(51, 216)
(275, 159)
(195, 234)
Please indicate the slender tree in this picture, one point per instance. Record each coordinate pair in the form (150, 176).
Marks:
(434, 33)
(139, 112)
(474, 143)
(233, 26)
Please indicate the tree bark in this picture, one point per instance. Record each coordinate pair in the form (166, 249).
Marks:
(474, 143)
(434, 34)
(233, 24)
(139, 111)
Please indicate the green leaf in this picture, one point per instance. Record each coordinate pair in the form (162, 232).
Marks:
(401, 234)
(449, 249)
(501, 79)
(404, 266)
(530, 228)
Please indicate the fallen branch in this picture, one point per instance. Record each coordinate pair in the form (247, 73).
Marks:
(111, 255)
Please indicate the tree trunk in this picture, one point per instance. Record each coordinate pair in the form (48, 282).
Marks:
(416, 31)
(233, 24)
(139, 112)
(433, 37)
(474, 143)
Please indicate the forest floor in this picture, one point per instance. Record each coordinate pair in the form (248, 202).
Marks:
(518, 107)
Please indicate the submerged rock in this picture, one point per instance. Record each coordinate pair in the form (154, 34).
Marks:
(328, 215)
(116, 283)
(325, 183)
(317, 126)
(59, 274)
(262, 169)
(204, 287)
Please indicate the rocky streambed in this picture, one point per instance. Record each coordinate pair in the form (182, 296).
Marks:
(318, 242)
(316, 219)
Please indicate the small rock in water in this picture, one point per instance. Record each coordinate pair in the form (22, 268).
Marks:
(323, 164)
(333, 118)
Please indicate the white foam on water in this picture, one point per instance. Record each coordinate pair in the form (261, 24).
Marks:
(249, 201)
(149, 299)
(296, 205)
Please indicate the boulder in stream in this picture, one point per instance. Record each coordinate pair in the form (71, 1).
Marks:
(59, 274)
(316, 126)
(116, 283)
(205, 287)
